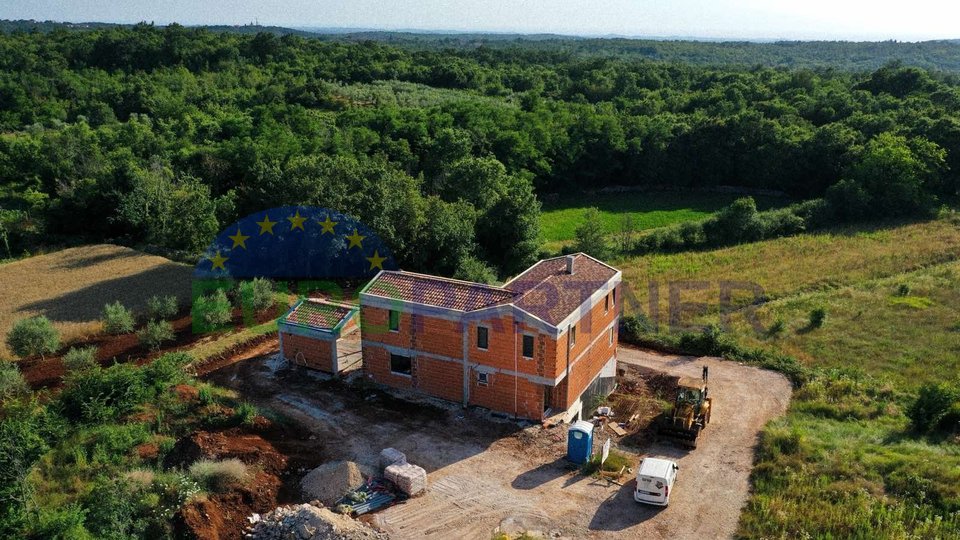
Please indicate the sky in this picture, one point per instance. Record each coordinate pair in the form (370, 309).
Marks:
(912, 20)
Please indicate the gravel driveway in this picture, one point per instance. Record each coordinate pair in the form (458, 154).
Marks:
(484, 475)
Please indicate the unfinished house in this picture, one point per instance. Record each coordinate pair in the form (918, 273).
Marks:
(539, 346)
(320, 335)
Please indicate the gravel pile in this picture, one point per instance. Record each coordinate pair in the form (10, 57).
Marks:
(330, 481)
(308, 522)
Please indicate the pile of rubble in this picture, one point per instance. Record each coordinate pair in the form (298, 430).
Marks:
(308, 522)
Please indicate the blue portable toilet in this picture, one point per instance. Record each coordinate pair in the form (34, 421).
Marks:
(580, 442)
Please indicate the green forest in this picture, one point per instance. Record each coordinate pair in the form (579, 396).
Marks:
(445, 152)
(828, 172)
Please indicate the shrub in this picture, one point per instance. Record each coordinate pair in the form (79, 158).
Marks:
(61, 522)
(818, 316)
(154, 333)
(162, 307)
(33, 336)
(212, 311)
(776, 328)
(80, 359)
(167, 370)
(103, 394)
(117, 319)
(12, 383)
(937, 408)
(903, 289)
(258, 293)
(113, 509)
(245, 413)
(632, 327)
(218, 476)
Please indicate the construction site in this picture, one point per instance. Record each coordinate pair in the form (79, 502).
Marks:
(340, 457)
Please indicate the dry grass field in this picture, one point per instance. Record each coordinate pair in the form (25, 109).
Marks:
(71, 286)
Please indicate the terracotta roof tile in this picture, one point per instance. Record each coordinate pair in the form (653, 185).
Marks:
(437, 291)
(318, 314)
(545, 290)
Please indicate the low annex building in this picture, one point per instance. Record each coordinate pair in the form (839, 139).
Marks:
(536, 347)
(311, 330)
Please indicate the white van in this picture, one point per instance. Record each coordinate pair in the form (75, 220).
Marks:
(655, 481)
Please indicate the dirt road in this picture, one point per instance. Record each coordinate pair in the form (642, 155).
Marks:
(484, 474)
(713, 483)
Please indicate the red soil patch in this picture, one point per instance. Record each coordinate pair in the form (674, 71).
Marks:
(48, 373)
(279, 453)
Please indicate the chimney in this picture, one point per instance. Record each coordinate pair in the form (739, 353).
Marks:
(570, 259)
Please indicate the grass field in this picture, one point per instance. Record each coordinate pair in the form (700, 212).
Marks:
(71, 286)
(649, 210)
(843, 463)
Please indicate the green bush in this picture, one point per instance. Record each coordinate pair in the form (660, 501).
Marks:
(818, 316)
(776, 328)
(12, 383)
(257, 293)
(61, 523)
(245, 413)
(155, 333)
(162, 307)
(167, 370)
(100, 395)
(80, 359)
(33, 336)
(212, 311)
(219, 476)
(936, 409)
(114, 511)
(117, 319)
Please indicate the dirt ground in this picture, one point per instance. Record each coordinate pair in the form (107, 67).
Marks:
(486, 473)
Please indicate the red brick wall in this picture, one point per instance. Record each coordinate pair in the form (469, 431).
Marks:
(313, 353)
(498, 395)
(376, 365)
(589, 365)
(438, 378)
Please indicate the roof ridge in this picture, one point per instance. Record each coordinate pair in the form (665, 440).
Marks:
(454, 280)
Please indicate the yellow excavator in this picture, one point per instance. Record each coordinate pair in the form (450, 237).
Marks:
(691, 411)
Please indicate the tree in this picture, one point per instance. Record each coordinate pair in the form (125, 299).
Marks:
(33, 336)
(626, 233)
(80, 359)
(212, 311)
(117, 319)
(155, 333)
(897, 176)
(258, 293)
(590, 238)
(473, 269)
(162, 307)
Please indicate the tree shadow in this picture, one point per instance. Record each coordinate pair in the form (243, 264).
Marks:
(619, 511)
(546, 472)
(83, 261)
(86, 304)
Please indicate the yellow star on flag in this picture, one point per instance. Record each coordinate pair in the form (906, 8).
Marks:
(327, 226)
(239, 239)
(296, 222)
(218, 261)
(376, 261)
(266, 226)
(355, 239)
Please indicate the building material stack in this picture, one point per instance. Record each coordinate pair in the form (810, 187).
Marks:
(409, 478)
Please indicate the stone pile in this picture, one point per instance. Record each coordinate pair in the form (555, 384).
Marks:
(308, 522)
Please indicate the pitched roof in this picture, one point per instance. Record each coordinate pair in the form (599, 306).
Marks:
(544, 290)
(319, 314)
(437, 291)
(547, 291)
